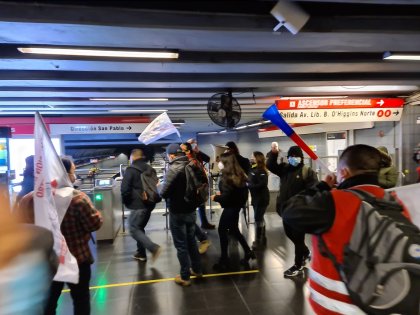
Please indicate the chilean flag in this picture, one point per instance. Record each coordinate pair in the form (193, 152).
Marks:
(273, 114)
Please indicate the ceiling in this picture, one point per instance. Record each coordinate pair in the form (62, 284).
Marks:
(222, 45)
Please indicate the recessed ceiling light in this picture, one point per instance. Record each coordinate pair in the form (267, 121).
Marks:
(130, 99)
(99, 52)
(401, 56)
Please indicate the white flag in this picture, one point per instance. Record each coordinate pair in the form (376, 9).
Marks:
(410, 197)
(53, 192)
(160, 127)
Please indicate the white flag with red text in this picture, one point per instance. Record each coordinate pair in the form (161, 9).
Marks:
(160, 127)
(53, 192)
(410, 197)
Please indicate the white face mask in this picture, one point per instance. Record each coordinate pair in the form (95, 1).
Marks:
(294, 161)
(220, 165)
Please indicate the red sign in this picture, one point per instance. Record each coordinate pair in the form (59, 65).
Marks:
(339, 103)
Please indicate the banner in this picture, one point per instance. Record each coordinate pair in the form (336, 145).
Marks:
(410, 197)
(53, 192)
(160, 127)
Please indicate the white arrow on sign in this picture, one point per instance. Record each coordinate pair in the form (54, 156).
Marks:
(381, 102)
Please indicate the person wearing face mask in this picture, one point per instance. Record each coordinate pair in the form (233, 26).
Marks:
(331, 213)
(202, 158)
(80, 220)
(294, 177)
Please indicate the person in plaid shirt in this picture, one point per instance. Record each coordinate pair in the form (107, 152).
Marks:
(80, 220)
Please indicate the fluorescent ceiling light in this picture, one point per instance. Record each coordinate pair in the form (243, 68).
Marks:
(207, 133)
(99, 52)
(223, 131)
(178, 123)
(131, 99)
(137, 110)
(241, 127)
(392, 56)
(256, 124)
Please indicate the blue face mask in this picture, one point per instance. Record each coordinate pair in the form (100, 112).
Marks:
(294, 161)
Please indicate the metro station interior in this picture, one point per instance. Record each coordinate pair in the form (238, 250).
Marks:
(341, 72)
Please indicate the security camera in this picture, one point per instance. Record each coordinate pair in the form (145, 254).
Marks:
(290, 16)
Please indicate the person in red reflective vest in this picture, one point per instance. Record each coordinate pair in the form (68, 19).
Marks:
(332, 213)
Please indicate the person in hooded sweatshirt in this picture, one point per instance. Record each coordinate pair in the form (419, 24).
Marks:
(388, 174)
(294, 177)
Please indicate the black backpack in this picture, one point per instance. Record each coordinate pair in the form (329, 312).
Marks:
(149, 193)
(381, 266)
(197, 191)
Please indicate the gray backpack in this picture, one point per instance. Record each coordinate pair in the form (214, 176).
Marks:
(381, 266)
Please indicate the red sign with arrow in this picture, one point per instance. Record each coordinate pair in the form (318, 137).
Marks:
(339, 103)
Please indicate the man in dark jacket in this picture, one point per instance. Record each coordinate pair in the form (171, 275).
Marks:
(294, 177)
(131, 192)
(331, 213)
(182, 216)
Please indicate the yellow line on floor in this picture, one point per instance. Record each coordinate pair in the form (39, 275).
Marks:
(167, 279)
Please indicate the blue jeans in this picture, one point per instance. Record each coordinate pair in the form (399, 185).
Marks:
(183, 233)
(137, 221)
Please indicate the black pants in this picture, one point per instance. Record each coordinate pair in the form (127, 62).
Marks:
(79, 293)
(298, 239)
(259, 211)
(229, 221)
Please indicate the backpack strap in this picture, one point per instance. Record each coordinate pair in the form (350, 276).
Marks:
(323, 249)
(305, 172)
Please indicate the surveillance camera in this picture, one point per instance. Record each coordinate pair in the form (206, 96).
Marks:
(290, 16)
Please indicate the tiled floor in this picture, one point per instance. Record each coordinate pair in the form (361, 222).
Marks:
(263, 292)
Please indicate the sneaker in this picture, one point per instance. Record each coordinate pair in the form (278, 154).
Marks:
(139, 257)
(204, 246)
(196, 274)
(208, 226)
(156, 254)
(181, 282)
(248, 256)
(293, 271)
(307, 258)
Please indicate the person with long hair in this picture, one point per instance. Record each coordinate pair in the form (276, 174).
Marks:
(232, 197)
(258, 186)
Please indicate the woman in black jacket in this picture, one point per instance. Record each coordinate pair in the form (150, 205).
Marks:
(232, 197)
(258, 185)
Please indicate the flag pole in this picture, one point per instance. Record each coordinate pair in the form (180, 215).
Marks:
(274, 116)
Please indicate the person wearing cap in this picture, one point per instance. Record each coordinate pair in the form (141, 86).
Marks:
(388, 174)
(202, 158)
(199, 233)
(243, 161)
(294, 177)
(182, 216)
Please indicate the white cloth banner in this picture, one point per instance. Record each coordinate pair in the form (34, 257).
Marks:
(160, 127)
(53, 192)
(410, 196)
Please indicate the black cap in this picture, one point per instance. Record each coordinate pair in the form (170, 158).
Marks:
(295, 151)
(174, 148)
